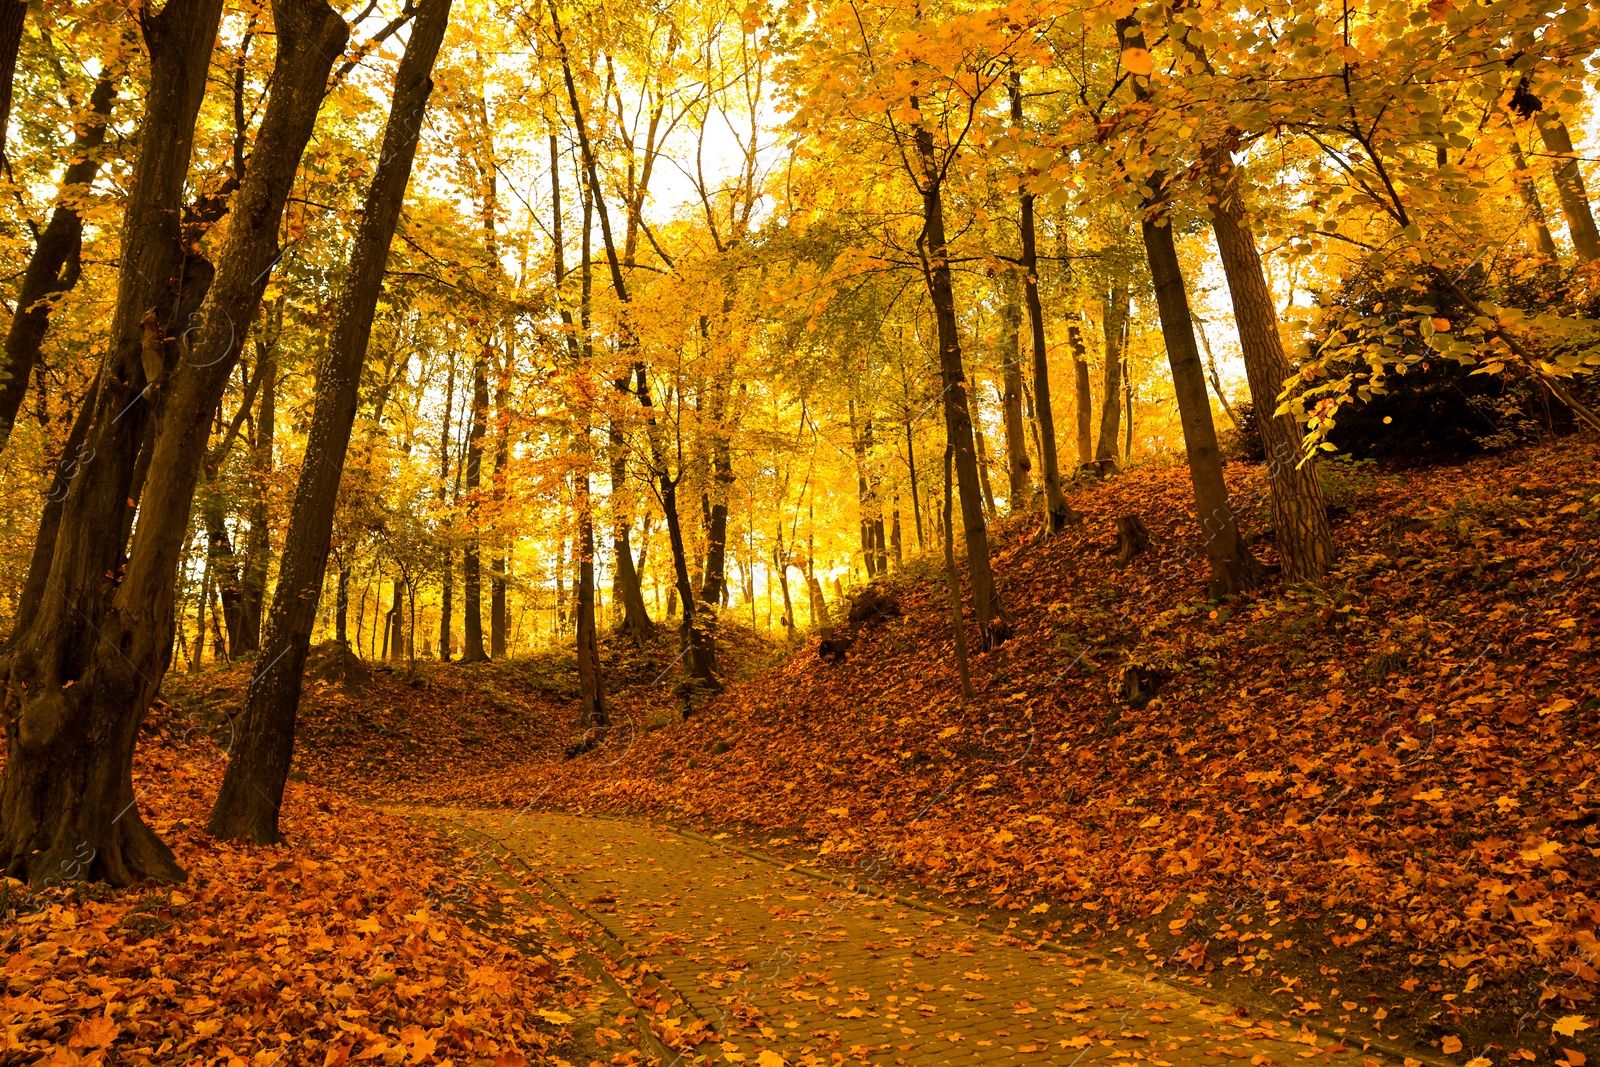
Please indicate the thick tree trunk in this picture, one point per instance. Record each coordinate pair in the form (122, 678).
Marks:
(13, 14)
(1082, 394)
(1059, 514)
(1114, 315)
(1020, 487)
(75, 455)
(1569, 184)
(1233, 568)
(1305, 543)
(258, 547)
(252, 790)
(53, 267)
(67, 787)
(958, 418)
(1538, 223)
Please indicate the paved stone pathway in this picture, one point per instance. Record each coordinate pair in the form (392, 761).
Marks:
(783, 962)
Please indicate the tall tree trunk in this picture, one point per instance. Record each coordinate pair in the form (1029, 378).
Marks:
(252, 790)
(13, 13)
(1056, 508)
(591, 683)
(499, 622)
(911, 469)
(472, 650)
(954, 582)
(1114, 315)
(1127, 405)
(68, 784)
(75, 455)
(1233, 568)
(258, 547)
(858, 445)
(958, 418)
(1569, 184)
(716, 582)
(1305, 543)
(696, 643)
(1018, 466)
(341, 606)
(224, 568)
(53, 268)
(1081, 392)
(202, 605)
(1539, 224)
(983, 471)
(447, 564)
(396, 640)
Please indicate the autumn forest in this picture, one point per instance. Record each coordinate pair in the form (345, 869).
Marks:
(863, 531)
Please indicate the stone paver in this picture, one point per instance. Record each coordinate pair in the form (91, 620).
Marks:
(775, 957)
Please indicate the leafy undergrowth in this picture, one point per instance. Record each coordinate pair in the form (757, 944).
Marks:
(429, 722)
(349, 944)
(1374, 801)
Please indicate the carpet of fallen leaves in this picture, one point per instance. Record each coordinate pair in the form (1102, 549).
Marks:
(1374, 798)
(344, 945)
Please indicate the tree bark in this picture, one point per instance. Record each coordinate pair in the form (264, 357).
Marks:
(1543, 243)
(983, 472)
(68, 784)
(591, 682)
(1081, 390)
(1569, 185)
(1304, 540)
(499, 566)
(953, 581)
(447, 565)
(53, 268)
(472, 650)
(258, 546)
(341, 606)
(1059, 514)
(1114, 315)
(1018, 465)
(716, 583)
(13, 14)
(394, 640)
(1233, 568)
(75, 455)
(252, 790)
(958, 418)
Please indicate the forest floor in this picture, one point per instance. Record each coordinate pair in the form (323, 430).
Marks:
(1368, 807)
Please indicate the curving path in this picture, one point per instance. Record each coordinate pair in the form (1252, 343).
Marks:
(782, 961)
